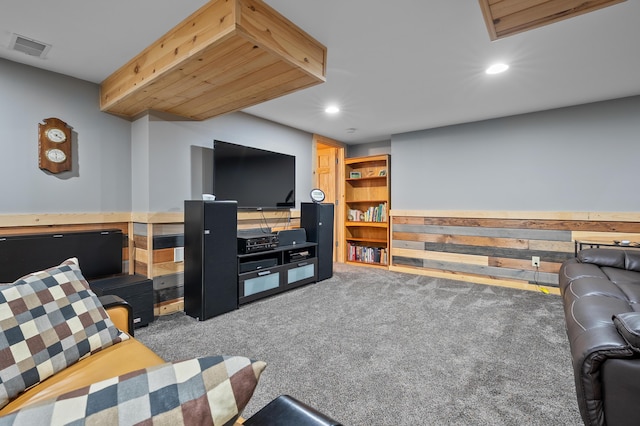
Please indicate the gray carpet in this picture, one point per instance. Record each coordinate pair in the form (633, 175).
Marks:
(373, 347)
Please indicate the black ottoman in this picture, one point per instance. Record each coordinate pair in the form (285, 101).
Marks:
(288, 411)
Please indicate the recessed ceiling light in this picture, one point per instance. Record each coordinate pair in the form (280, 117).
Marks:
(497, 68)
(332, 109)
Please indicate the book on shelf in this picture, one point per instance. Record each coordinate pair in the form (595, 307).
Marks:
(372, 214)
(359, 253)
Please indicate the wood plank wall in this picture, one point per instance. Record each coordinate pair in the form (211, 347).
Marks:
(497, 247)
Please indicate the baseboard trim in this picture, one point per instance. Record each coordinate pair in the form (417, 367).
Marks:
(520, 285)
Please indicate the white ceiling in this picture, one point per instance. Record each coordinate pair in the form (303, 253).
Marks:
(392, 67)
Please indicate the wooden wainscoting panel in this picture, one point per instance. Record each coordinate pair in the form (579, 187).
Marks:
(163, 255)
(140, 241)
(500, 245)
(521, 214)
(169, 307)
(605, 236)
(559, 246)
(463, 240)
(62, 219)
(525, 265)
(441, 256)
(167, 268)
(141, 255)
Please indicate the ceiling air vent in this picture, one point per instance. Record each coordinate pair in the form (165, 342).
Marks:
(29, 46)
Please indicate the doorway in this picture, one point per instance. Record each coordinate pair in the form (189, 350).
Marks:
(328, 175)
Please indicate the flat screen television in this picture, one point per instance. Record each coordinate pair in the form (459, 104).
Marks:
(256, 178)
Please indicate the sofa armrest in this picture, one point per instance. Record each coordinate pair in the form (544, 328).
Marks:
(628, 325)
(120, 312)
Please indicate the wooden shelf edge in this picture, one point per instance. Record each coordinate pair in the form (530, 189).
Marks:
(368, 224)
(368, 240)
(366, 201)
(367, 178)
(373, 265)
(368, 159)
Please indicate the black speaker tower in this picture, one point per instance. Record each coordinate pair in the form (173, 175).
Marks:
(317, 220)
(210, 262)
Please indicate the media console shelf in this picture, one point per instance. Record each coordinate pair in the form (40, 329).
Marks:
(269, 272)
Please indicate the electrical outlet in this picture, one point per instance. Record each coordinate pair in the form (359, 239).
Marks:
(535, 261)
(178, 254)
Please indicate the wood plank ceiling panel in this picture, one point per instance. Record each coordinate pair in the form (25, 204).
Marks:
(228, 55)
(508, 17)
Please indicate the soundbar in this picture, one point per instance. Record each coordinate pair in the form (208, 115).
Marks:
(251, 244)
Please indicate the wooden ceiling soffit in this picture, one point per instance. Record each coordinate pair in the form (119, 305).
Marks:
(228, 55)
(508, 17)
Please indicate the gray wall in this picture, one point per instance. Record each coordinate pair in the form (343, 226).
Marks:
(372, 148)
(101, 175)
(583, 158)
(140, 166)
(172, 145)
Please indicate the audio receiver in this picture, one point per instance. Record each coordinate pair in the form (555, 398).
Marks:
(253, 243)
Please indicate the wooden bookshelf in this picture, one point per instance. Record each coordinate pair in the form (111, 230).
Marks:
(367, 204)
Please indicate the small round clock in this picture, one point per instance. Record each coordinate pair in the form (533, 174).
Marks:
(55, 155)
(56, 135)
(317, 195)
(54, 145)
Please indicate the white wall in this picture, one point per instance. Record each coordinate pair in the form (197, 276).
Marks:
(583, 158)
(101, 175)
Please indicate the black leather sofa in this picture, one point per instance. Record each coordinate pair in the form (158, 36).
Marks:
(601, 295)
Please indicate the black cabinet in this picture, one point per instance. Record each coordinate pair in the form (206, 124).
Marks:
(99, 253)
(273, 271)
(136, 290)
(210, 264)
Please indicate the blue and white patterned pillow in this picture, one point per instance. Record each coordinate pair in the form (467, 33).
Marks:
(49, 320)
(201, 391)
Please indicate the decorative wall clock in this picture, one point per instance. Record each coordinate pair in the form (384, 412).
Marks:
(54, 145)
(317, 195)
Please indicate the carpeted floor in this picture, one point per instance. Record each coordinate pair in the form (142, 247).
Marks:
(373, 347)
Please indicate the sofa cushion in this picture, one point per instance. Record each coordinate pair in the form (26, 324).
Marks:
(615, 258)
(628, 325)
(49, 320)
(206, 391)
(602, 257)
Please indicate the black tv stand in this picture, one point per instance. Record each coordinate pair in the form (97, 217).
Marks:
(274, 271)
